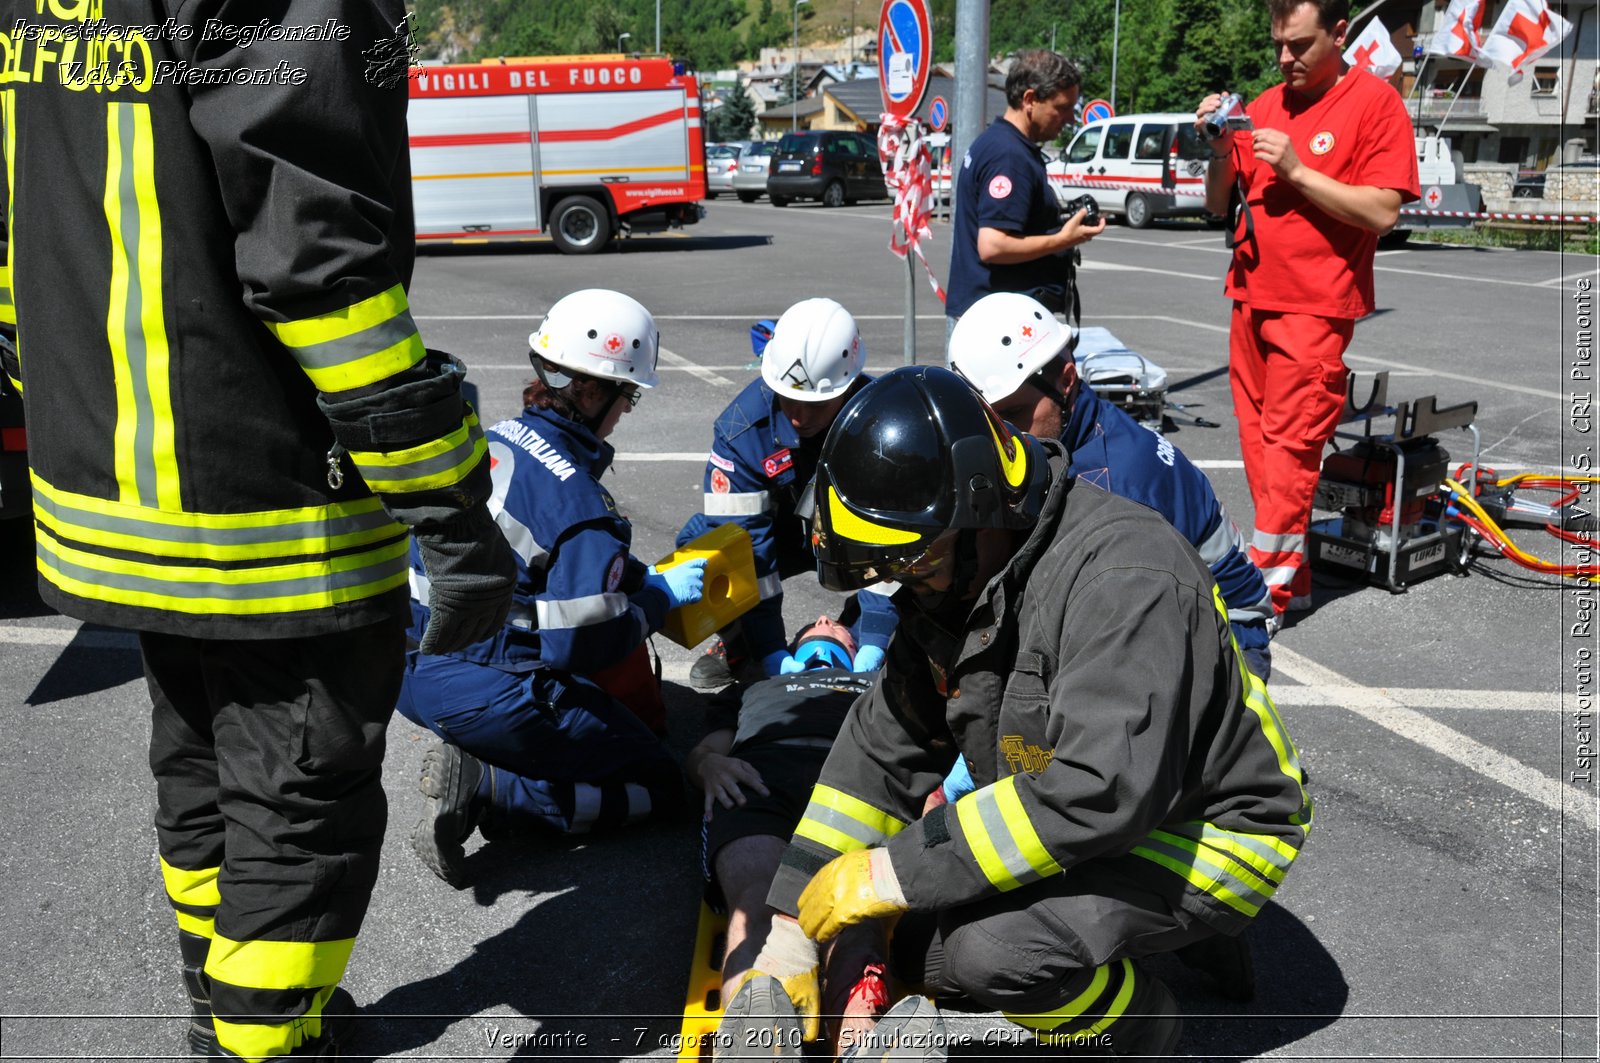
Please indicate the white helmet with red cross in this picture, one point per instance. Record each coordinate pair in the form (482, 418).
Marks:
(1004, 339)
(599, 333)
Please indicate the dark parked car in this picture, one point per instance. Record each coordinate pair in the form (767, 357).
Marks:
(835, 167)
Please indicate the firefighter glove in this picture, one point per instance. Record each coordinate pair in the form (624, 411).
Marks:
(791, 957)
(850, 889)
(682, 584)
(471, 571)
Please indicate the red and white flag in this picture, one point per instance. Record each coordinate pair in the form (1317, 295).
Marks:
(1525, 30)
(1374, 52)
(1459, 31)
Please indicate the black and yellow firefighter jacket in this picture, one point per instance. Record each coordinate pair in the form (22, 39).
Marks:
(1097, 698)
(210, 237)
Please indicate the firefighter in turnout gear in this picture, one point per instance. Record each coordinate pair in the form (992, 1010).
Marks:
(1136, 791)
(541, 722)
(763, 451)
(234, 430)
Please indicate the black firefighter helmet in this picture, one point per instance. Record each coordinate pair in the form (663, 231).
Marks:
(917, 453)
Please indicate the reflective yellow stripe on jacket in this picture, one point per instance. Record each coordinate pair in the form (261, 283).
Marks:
(136, 332)
(1240, 870)
(185, 559)
(1001, 837)
(359, 345)
(843, 823)
(435, 464)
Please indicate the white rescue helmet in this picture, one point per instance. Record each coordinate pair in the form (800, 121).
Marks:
(599, 333)
(815, 352)
(1004, 339)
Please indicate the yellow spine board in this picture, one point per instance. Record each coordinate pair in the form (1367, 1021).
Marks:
(702, 1006)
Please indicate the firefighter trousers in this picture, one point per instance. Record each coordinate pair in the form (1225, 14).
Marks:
(1288, 378)
(562, 755)
(270, 812)
(1055, 956)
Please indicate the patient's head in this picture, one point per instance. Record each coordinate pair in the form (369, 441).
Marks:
(824, 643)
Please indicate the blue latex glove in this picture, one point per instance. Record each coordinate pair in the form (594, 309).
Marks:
(778, 662)
(868, 659)
(681, 583)
(959, 782)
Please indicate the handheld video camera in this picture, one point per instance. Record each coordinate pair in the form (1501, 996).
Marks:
(1228, 117)
(1084, 203)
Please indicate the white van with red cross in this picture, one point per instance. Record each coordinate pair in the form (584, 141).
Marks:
(1138, 166)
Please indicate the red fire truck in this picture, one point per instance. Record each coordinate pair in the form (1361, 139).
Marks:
(579, 147)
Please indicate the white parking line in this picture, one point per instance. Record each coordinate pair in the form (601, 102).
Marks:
(1117, 267)
(1379, 707)
(1425, 698)
(1389, 363)
(680, 362)
(1459, 277)
(1568, 277)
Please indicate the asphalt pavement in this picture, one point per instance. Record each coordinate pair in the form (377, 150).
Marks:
(1444, 908)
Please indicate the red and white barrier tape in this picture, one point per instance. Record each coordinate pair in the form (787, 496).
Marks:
(908, 171)
(1197, 188)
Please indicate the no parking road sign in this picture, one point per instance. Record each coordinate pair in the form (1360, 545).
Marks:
(905, 54)
(1095, 110)
(938, 112)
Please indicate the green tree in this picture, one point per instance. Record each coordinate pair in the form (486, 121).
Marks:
(735, 118)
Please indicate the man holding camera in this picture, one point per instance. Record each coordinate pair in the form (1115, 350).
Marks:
(1323, 163)
(1009, 236)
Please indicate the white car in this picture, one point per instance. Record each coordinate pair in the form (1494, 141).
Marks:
(1158, 160)
(750, 182)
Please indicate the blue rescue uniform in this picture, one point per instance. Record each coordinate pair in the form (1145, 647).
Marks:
(1111, 450)
(756, 475)
(1003, 185)
(560, 752)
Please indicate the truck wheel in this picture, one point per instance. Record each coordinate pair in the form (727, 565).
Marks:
(833, 195)
(1137, 210)
(580, 226)
(779, 201)
(749, 197)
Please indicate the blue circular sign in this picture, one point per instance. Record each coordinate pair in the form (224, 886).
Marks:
(905, 46)
(937, 113)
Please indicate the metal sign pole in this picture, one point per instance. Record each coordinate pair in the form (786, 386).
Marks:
(911, 310)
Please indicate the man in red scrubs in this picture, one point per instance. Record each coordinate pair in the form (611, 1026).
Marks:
(1322, 175)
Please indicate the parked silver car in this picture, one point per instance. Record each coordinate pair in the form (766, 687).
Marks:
(750, 182)
(722, 162)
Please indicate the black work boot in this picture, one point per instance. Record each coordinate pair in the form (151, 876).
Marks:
(450, 782)
(202, 1035)
(713, 670)
(335, 1025)
(1227, 960)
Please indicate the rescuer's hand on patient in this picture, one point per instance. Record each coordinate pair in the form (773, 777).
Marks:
(791, 957)
(850, 889)
(723, 778)
(471, 571)
(682, 584)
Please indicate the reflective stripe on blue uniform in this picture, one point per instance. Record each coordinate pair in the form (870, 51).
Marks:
(1115, 453)
(572, 609)
(756, 474)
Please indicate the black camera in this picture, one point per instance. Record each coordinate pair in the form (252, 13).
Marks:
(1084, 203)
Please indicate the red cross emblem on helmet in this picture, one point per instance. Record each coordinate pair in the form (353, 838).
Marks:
(1027, 332)
(614, 343)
